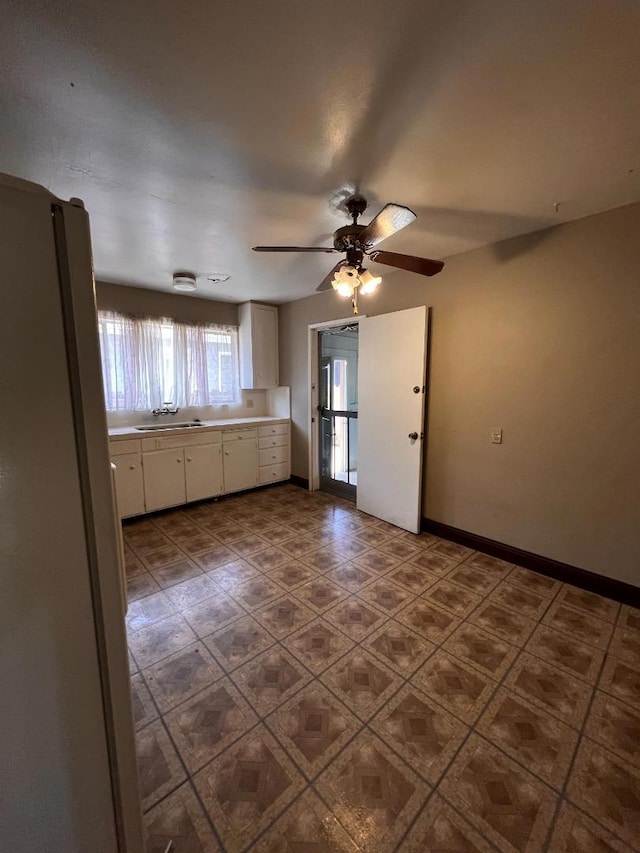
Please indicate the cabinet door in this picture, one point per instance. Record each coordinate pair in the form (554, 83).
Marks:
(129, 484)
(163, 478)
(203, 471)
(240, 465)
(258, 345)
(265, 346)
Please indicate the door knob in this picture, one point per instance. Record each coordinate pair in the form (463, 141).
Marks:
(413, 436)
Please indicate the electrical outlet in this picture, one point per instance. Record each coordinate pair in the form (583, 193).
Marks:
(249, 402)
(496, 435)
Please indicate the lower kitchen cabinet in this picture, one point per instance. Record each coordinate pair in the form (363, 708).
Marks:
(240, 460)
(203, 471)
(164, 480)
(157, 472)
(129, 484)
(176, 476)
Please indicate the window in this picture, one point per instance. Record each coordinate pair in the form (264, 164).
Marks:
(148, 361)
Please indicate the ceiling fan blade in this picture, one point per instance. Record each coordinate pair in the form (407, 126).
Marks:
(423, 266)
(326, 249)
(325, 284)
(391, 218)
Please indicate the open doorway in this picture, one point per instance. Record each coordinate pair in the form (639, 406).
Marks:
(390, 422)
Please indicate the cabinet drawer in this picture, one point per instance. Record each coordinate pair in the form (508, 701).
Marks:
(273, 456)
(272, 473)
(238, 434)
(273, 441)
(273, 429)
(128, 445)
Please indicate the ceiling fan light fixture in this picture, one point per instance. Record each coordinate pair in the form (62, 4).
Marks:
(345, 281)
(343, 288)
(369, 282)
(184, 282)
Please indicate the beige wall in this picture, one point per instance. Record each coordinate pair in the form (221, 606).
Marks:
(154, 303)
(538, 335)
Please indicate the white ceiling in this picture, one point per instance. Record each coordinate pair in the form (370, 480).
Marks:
(195, 130)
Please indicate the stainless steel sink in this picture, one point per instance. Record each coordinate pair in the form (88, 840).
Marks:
(155, 427)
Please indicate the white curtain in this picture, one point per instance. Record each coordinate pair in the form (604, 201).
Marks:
(206, 364)
(149, 361)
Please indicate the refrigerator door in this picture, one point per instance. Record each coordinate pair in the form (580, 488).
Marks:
(67, 733)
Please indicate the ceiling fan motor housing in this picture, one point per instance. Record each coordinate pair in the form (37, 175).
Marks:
(347, 237)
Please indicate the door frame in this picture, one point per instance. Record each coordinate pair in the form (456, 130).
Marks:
(313, 424)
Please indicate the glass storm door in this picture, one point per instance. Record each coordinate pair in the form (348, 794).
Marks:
(338, 411)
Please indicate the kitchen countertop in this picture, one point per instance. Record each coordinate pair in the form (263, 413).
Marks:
(116, 433)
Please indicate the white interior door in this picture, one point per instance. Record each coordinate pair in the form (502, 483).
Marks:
(392, 362)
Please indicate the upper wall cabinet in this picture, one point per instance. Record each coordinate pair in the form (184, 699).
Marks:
(258, 345)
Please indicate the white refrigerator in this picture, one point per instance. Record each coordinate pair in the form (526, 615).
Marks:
(68, 781)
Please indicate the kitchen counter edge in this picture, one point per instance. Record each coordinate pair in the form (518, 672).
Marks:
(128, 432)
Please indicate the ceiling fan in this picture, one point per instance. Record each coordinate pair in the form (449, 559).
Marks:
(357, 241)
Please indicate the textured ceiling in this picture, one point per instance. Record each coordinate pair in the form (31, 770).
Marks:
(193, 131)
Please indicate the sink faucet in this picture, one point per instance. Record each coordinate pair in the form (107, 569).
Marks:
(165, 410)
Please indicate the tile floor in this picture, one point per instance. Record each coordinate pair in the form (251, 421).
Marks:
(308, 678)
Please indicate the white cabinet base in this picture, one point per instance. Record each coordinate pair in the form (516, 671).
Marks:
(155, 473)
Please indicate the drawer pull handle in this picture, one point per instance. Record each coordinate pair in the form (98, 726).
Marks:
(178, 460)
(188, 459)
(132, 467)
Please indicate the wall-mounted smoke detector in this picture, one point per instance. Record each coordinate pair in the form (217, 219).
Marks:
(185, 282)
(217, 277)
